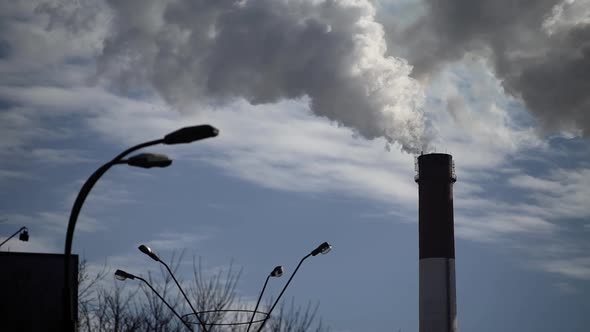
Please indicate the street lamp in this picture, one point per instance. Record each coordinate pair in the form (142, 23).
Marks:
(277, 272)
(23, 236)
(122, 276)
(149, 160)
(144, 160)
(148, 251)
(323, 249)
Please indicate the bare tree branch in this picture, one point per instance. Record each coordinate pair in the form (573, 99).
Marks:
(122, 307)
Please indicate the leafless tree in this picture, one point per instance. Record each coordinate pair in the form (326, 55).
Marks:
(214, 294)
(104, 307)
(155, 314)
(296, 319)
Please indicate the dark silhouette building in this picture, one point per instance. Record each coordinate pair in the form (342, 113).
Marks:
(31, 291)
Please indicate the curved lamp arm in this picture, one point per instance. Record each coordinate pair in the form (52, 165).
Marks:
(282, 291)
(82, 194)
(122, 276)
(149, 252)
(323, 249)
(184, 294)
(257, 303)
(165, 302)
(89, 184)
(180, 136)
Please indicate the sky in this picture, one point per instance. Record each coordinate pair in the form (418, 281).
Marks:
(322, 107)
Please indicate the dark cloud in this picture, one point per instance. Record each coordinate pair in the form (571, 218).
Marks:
(536, 47)
(332, 52)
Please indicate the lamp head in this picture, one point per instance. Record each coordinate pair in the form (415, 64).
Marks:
(323, 249)
(277, 272)
(190, 134)
(122, 275)
(148, 251)
(24, 235)
(149, 160)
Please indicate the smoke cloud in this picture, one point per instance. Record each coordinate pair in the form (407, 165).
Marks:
(539, 49)
(332, 52)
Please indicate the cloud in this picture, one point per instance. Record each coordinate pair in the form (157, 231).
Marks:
(281, 148)
(538, 49)
(10, 174)
(566, 288)
(58, 156)
(497, 225)
(177, 241)
(537, 216)
(106, 195)
(48, 223)
(280, 142)
(265, 51)
(35, 45)
(284, 146)
(470, 117)
(533, 183)
(20, 126)
(563, 193)
(567, 15)
(578, 267)
(53, 221)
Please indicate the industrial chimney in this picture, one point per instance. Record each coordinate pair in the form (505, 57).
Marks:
(435, 177)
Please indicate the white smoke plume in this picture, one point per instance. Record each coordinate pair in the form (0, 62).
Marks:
(539, 49)
(332, 52)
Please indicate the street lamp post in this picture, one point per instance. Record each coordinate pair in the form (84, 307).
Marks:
(277, 272)
(148, 251)
(122, 275)
(23, 236)
(323, 249)
(181, 136)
